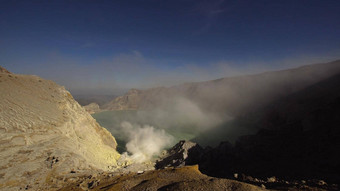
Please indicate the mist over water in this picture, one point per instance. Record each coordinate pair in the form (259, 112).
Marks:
(145, 133)
(207, 112)
(180, 113)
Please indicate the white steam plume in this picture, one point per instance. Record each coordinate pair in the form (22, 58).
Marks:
(145, 141)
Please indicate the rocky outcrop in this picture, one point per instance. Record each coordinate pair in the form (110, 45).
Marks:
(3, 70)
(228, 161)
(92, 108)
(46, 135)
(183, 153)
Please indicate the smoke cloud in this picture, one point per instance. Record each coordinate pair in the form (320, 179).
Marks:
(145, 142)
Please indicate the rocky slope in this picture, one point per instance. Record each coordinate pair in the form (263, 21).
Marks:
(186, 178)
(298, 143)
(223, 161)
(49, 142)
(299, 136)
(130, 101)
(235, 95)
(46, 135)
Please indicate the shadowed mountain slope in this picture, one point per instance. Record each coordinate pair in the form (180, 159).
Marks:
(233, 96)
(299, 138)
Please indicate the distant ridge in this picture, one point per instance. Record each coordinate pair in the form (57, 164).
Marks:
(233, 95)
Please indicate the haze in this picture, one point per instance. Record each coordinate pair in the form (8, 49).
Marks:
(104, 47)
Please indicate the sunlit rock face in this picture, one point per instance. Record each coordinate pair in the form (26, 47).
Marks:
(92, 108)
(130, 101)
(46, 134)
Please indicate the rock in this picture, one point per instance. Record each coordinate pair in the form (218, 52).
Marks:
(93, 184)
(45, 134)
(51, 161)
(247, 178)
(3, 70)
(321, 183)
(92, 108)
(84, 186)
(129, 101)
(183, 153)
(271, 179)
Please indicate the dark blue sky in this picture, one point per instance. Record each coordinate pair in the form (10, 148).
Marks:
(126, 42)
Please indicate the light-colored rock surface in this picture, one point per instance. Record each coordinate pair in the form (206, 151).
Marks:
(129, 101)
(92, 108)
(46, 134)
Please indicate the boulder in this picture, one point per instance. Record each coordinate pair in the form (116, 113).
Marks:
(92, 108)
(183, 153)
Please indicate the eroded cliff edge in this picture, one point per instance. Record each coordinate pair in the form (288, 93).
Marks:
(46, 134)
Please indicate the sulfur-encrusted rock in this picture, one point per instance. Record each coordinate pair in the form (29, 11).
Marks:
(45, 134)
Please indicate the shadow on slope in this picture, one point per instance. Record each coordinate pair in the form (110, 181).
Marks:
(299, 138)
